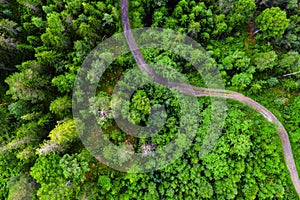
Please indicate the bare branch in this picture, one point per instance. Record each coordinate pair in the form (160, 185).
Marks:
(291, 73)
(32, 7)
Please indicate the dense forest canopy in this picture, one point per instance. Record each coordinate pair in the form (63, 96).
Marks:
(255, 46)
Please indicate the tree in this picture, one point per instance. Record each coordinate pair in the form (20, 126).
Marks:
(140, 107)
(49, 174)
(10, 167)
(273, 22)
(18, 109)
(294, 119)
(226, 188)
(4, 123)
(24, 188)
(64, 132)
(28, 85)
(62, 135)
(267, 60)
(105, 184)
(10, 52)
(237, 60)
(46, 169)
(291, 40)
(272, 81)
(220, 26)
(242, 12)
(290, 63)
(64, 82)
(74, 168)
(250, 189)
(242, 80)
(54, 36)
(61, 106)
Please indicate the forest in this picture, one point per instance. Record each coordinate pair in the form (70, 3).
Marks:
(44, 46)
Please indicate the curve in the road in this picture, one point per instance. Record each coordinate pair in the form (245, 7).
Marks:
(198, 91)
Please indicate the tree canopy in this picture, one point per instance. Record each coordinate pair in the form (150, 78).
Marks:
(255, 45)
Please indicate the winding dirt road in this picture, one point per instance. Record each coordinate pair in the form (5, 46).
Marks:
(198, 91)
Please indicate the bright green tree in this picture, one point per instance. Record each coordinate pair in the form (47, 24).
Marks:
(62, 135)
(140, 107)
(273, 22)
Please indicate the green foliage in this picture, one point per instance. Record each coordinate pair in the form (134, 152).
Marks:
(61, 106)
(44, 43)
(279, 101)
(290, 63)
(48, 173)
(242, 80)
(273, 22)
(291, 38)
(26, 154)
(290, 85)
(294, 119)
(293, 124)
(140, 107)
(38, 22)
(64, 132)
(61, 137)
(54, 32)
(24, 188)
(266, 60)
(27, 85)
(272, 81)
(89, 190)
(18, 109)
(221, 25)
(74, 167)
(64, 83)
(47, 58)
(55, 191)
(238, 61)
(46, 169)
(104, 183)
(10, 28)
(10, 167)
(61, 177)
(4, 123)
(9, 51)
(242, 11)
